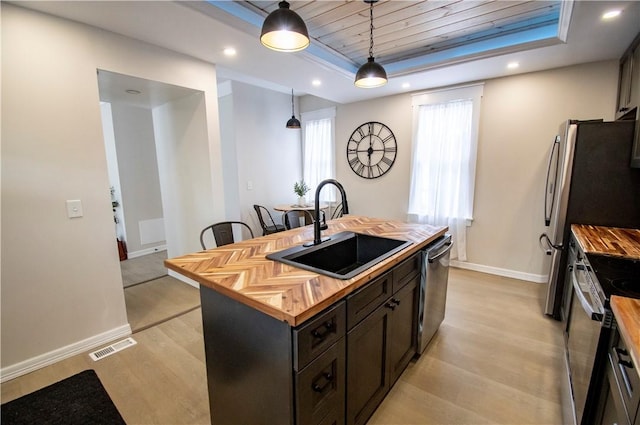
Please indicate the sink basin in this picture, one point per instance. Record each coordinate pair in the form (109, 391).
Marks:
(344, 256)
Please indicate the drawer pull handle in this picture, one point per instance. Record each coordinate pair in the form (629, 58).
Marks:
(390, 305)
(622, 352)
(395, 301)
(322, 331)
(320, 388)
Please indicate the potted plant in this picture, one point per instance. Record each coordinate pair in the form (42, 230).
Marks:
(300, 188)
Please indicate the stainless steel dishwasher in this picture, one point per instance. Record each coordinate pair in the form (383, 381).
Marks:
(433, 289)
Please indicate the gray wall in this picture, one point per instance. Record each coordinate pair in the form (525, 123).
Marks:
(268, 155)
(520, 116)
(138, 169)
(61, 289)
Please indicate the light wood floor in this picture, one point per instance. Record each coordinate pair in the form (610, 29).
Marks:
(144, 268)
(495, 360)
(158, 300)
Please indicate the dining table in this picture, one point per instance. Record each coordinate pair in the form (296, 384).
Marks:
(306, 207)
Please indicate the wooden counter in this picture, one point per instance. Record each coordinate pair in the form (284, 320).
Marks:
(613, 241)
(288, 293)
(616, 242)
(627, 313)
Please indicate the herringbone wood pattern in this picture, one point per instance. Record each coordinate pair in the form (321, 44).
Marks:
(287, 293)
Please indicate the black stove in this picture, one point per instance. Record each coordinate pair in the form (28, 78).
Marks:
(616, 275)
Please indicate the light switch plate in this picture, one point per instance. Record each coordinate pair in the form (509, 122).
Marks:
(74, 208)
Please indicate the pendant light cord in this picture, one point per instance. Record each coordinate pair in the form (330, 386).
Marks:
(292, 114)
(371, 30)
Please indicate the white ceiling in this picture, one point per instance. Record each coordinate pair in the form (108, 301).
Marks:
(203, 31)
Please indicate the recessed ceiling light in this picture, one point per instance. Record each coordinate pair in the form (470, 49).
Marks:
(406, 85)
(229, 51)
(133, 91)
(316, 82)
(611, 14)
(513, 65)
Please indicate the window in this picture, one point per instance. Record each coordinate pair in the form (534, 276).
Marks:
(318, 150)
(444, 160)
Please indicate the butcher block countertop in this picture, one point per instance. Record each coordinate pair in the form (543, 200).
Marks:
(627, 313)
(287, 293)
(613, 241)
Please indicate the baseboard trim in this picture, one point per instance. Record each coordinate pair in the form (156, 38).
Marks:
(184, 279)
(46, 359)
(140, 253)
(530, 277)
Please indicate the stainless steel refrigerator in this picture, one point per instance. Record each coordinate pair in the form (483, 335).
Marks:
(589, 181)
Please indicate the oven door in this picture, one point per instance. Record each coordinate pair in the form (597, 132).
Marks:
(583, 333)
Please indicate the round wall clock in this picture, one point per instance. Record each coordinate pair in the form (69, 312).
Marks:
(371, 150)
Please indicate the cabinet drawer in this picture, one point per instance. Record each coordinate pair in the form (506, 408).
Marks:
(368, 298)
(320, 388)
(626, 374)
(406, 271)
(312, 338)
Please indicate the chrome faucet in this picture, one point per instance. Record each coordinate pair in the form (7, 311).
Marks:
(317, 237)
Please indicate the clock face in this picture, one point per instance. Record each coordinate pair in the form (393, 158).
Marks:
(371, 150)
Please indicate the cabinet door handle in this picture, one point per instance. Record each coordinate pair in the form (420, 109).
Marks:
(328, 377)
(623, 365)
(390, 305)
(395, 301)
(322, 331)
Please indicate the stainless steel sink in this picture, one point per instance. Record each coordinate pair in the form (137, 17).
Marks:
(344, 256)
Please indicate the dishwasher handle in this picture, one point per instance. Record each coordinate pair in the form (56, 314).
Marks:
(442, 253)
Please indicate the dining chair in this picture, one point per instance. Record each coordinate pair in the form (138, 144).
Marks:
(223, 232)
(266, 221)
(337, 211)
(291, 218)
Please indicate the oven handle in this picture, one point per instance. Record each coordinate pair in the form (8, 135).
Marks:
(588, 308)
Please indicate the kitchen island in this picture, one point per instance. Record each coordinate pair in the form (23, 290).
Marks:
(286, 345)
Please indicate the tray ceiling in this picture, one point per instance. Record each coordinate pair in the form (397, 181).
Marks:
(416, 34)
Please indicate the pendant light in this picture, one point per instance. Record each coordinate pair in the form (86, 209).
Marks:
(293, 121)
(284, 30)
(371, 74)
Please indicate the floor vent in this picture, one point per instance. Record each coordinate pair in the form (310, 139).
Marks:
(112, 349)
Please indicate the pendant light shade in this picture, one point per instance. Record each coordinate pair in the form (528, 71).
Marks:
(284, 30)
(293, 121)
(371, 74)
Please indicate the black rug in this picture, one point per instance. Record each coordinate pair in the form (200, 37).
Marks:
(78, 400)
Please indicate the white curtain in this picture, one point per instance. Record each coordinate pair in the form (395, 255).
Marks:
(441, 183)
(318, 154)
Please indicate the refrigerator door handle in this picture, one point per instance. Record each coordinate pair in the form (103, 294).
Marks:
(546, 244)
(551, 183)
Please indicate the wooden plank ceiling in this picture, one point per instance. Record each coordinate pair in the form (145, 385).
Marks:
(406, 29)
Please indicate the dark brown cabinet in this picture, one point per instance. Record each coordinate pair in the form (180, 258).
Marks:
(621, 387)
(333, 369)
(629, 81)
(367, 365)
(381, 345)
(403, 342)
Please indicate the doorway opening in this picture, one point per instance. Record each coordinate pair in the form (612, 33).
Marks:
(142, 186)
